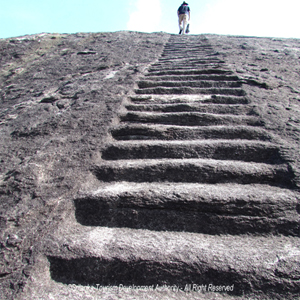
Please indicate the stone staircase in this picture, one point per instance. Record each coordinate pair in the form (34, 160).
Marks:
(192, 188)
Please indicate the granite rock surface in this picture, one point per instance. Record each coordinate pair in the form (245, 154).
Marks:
(139, 159)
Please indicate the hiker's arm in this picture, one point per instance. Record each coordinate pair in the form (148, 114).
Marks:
(189, 15)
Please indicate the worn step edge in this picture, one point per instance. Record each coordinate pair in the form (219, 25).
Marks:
(188, 50)
(190, 40)
(190, 58)
(177, 65)
(235, 109)
(190, 61)
(178, 45)
(173, 132)
(184, 77)
(194, 170)
(212, 149)
(44, 285)
(177, 56)
(171, 63)
(190, 90)
(182, 54)
(200, 84)
(190, 118)
(210, 209)
(188, 72)
(212, 65)
(110, 257)
(188, 98)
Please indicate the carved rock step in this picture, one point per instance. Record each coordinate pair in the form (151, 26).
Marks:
(212, 149)
(188, 98)
(207, 65)
(195, 107)
(186, 57)
(190, 60)
(196, 83)
(177, 61)
(190, 119)
(210, 209)
(184, 39)
(186, 51)
(171, 132)
(190, 90)
(183, 52)
(110, 256)
(192, 50)
(171, 63)
(182, 55)
(194, 170)
(188, 41)
(188, 72)
(205, 77)
(187, 48)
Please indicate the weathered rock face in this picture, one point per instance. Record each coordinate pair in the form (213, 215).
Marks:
(59, 95)
(149, 159)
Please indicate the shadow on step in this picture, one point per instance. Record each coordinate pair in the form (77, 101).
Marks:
(240, 220)
(95, 271)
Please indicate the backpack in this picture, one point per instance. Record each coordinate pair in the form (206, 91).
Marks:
(183, 9)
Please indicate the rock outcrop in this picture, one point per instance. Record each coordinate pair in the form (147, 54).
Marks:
(150, 165)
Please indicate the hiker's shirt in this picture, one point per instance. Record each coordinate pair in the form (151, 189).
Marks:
(183, 10)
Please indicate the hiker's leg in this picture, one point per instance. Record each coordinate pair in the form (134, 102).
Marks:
(185, 21)
(180, 22)
(187, 27)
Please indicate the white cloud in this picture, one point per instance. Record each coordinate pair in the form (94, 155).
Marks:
(145, 16)
(257, 17)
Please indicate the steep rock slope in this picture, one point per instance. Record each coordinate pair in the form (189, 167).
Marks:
(59, 94)
(196, 184)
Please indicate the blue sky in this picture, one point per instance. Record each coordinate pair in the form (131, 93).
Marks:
(271, 18)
